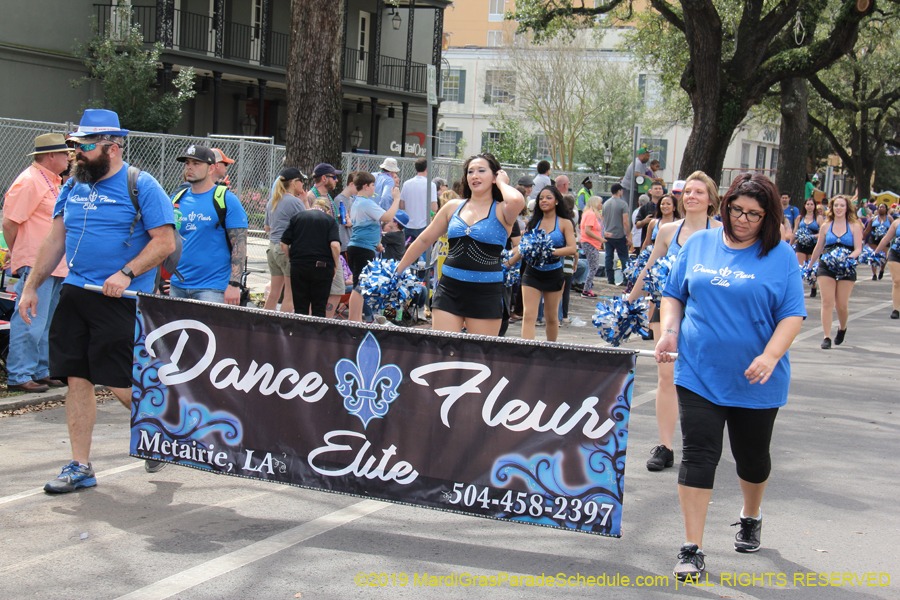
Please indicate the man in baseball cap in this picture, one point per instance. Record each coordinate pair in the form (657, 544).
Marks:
(325, 178)
(220, 173)
(198, 153)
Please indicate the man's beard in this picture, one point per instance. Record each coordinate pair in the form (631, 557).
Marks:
(91, 171)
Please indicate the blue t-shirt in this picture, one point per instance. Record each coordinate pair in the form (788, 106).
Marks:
(384, 183)
(791, 212)
(733, 300)
(98, 219)
(206, 261)
(365, 215)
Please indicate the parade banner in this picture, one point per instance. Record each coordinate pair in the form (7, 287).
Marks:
(516, 430)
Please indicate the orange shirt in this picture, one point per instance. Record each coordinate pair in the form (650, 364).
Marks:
(29, 203)
(589, 218)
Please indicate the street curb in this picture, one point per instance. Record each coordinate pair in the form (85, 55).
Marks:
(26, 400)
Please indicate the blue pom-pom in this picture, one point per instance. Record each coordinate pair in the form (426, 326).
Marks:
(537, 248)
(808, 272)
(656, 278)
(870, 257)
(839, 262)
(618, 318)
(633, 269)
(382, 287)
(805, 237)
(511, 275)
(879, 231)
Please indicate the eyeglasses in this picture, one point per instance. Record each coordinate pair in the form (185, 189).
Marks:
(91, 146)
(737, 213)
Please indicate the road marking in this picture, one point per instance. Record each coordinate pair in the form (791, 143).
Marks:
(862, 313)
(239, 558)
(40, 490)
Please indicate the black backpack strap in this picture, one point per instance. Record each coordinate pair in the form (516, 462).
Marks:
(133, 173)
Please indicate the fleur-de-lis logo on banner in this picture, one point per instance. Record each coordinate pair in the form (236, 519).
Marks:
(367, 387)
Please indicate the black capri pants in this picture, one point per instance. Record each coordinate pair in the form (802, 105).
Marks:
(702, 426)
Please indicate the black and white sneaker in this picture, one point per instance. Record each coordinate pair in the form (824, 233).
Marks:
(154, 466)
(826, 344)
(662, 458)
(747, 537)
(895, 314)
(691, 563)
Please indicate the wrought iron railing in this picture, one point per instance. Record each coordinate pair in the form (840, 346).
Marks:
(358, 66)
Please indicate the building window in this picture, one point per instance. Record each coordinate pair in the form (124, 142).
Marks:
(773, 162)
(745, 155)
(454, 85)
(499, 87)
(489, 137)
(494, 38)
(448, 143)
(496, 10)
(760, 157)
(542, 149)
(659, 149)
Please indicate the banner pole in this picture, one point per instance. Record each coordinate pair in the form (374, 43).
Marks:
(99, 288)
(651, 354)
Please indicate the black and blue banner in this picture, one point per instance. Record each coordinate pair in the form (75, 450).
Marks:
(508, 429)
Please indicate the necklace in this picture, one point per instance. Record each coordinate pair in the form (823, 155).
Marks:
(334, 210)
(54, 189)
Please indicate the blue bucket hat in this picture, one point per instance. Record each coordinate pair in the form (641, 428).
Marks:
(98, 121)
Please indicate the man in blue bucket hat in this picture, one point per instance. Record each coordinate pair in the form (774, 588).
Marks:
(106, 242)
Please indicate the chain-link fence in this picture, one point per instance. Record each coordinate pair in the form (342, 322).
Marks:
(256, 166)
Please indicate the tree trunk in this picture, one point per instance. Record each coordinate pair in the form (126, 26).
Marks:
(313, 80)
(792, 152)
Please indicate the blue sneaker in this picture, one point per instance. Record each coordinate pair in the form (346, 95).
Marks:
(73, 476)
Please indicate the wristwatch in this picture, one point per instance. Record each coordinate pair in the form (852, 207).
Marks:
(236, 284)
(127, 272)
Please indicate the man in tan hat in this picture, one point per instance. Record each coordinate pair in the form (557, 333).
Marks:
(385, 181)
(219, 171)
(27, 218)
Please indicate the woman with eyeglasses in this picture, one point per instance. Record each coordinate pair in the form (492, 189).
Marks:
(840, 230)
(735, 295)
(700, 201)
(809, 220)
(470, 291)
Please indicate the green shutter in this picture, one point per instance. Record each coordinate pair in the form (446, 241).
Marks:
(462, 87)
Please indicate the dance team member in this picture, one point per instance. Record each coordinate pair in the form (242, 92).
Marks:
(552, 216)
(470, 291)
(700, 200)
(731, 307)
(836, 290)
(808, 220)
(892, 239)
(873, 235)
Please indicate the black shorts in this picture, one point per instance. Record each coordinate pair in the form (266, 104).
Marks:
(468, 298)
(92, 337)
(808, 250)
(893, 256)
(545, 281)
(824, 271)
(357, 259)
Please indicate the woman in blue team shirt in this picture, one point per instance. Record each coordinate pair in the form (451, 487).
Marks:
(892, 239)
(735, 295)
(470, 291)
(552, 216)
(808, 220)
(875, 230)
(841, 229)
(367, 217)
(700, 201)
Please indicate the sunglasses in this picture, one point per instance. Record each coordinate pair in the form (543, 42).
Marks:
(91, 146)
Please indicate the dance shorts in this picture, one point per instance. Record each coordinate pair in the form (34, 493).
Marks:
(545, 281)
(893, 256)
(469, 299)
(808, 250)
(824, 271)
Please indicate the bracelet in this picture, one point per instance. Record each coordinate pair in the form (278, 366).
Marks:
(236, 284)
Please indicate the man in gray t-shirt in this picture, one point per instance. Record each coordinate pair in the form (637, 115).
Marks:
(638, 167)
(616, 230)
(345, 198)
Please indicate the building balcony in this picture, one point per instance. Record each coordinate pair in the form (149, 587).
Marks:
(391, 72)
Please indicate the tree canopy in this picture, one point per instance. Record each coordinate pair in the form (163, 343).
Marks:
(736, 52)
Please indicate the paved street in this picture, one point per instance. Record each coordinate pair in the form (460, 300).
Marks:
(830, 509)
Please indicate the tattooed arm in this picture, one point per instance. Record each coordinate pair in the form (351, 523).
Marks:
(238, 239)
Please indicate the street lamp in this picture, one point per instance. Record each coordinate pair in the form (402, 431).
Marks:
(607, 158)
(396, 21)
(356, 138)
